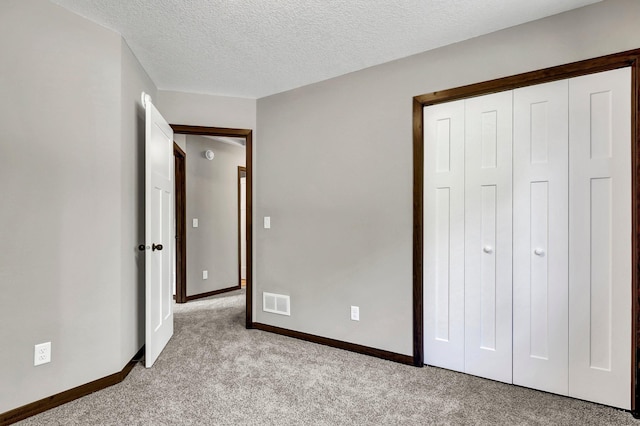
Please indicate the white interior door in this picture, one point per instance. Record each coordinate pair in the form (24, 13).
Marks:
(158, 232)
(541, 234)
(488, 260)
(549, 306)
(444, 235)
(600, 237)
(243, 228)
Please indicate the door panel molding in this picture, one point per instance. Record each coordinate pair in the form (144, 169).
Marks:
(444, 223)
(600, 249)
(487, 236)
(158, 231)
(540, 252)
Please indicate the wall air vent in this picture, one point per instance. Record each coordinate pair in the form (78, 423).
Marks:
(276, 303)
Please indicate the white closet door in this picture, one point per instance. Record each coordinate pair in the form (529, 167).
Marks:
(540, 229)
(600, 238)
(488, 261)
(444, 235)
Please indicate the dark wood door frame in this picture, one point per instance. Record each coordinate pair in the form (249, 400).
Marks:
(241, 171)
(181, 222)
(605, 63)
(247, 134)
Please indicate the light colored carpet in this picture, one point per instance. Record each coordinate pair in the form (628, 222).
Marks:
(215, 372)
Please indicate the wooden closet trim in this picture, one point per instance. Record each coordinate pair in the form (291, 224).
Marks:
(629, 58)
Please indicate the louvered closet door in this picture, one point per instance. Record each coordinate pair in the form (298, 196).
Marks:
(540, 230)
(600, 238)
(444, 235)
(488, 260)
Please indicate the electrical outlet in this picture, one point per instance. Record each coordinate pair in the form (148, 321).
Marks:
(205, 275)
(355, 313)
(42, 353)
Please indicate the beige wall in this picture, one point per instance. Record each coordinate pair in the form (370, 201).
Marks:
(332, 163)
(207, 110)
(68, 170)
(71, 177)
(335, 172)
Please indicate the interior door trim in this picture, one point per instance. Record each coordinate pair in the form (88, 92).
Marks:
(629, 58)
(181, 225)
(247, 134)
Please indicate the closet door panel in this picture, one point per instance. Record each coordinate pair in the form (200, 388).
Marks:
(444, 235)
(540, 245)
(600, 238)
(488, 185)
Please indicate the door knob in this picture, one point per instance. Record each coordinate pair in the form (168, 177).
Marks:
(141, 247)
(155, 247)
(539, 252)
(488, 249)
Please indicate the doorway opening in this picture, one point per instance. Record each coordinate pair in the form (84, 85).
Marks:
(246, 136)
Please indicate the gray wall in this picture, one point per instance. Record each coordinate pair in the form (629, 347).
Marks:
(207, 110)
(341, 229)
(332, 167)
(212, 197)
(69, 179)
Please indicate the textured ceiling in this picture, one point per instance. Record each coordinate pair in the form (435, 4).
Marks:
(254, 48)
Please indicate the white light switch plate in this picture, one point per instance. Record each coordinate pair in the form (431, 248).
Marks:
(205, 275)
(195, 222)
(355, 313)
(267, 222)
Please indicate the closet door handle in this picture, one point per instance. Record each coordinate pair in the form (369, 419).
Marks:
(539, 252)
(487, 249)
